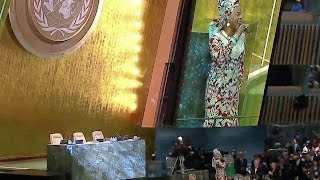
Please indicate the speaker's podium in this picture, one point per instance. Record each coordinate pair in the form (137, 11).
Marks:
(106, 160)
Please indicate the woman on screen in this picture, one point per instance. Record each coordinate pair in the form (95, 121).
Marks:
(227, 50)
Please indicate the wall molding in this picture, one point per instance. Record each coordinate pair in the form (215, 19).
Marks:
(22, 158)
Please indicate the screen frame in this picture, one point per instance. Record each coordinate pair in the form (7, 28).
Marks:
(165, 83)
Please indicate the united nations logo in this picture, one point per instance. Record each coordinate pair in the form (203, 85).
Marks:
(60, 20)
(52, 28)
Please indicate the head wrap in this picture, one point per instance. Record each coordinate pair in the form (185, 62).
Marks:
(226, 7)
(216, 152)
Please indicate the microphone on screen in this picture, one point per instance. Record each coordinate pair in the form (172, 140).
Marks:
(248, 29)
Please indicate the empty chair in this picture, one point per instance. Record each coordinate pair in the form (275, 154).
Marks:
(78, 136)
(97, 136)
(55, 138)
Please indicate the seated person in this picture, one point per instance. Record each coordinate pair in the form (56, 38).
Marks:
(293, 169)
(306, 164)
(315, 171)
(284, 169)
(259, 170)
(193, 161)
(274, 172)
(297, 7)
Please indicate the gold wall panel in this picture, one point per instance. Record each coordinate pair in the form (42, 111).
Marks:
(103, 85)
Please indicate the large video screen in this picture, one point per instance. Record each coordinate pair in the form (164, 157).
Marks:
(227, 63)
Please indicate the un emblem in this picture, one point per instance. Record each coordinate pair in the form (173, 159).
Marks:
(53, 28)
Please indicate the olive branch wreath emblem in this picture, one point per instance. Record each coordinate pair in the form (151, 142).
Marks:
(43, 21)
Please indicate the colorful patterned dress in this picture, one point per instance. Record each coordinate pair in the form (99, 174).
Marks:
(220, 170)
(225, 78)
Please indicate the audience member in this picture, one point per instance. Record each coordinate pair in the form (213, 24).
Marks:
(297, 6)
(274, 172)
(241, 164)
(259, 169)
(294, 147)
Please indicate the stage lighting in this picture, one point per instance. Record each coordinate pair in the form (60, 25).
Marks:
(126, 29)
(135, 84)
(137, 37)
(136, 72)
(138, 14)
(138, 25)
(137, 48)
(134, 96)
(135, 59)
(133, 107)
(138, 2)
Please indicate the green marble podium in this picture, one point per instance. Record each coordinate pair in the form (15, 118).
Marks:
(107, 160)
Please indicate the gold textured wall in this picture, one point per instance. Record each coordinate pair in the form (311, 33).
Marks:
(102, 86)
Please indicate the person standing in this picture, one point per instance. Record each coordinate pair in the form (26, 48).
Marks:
(227, 49)
(241, 164)
(219, 164)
